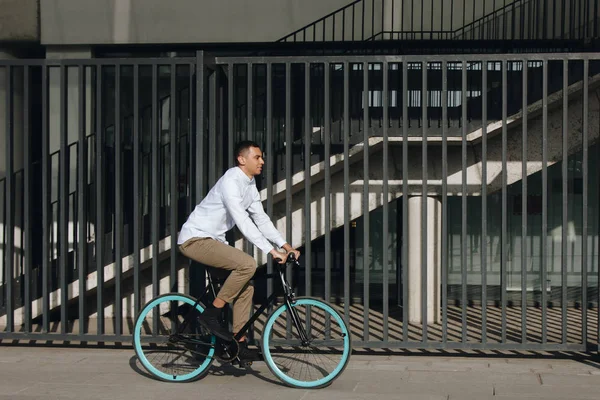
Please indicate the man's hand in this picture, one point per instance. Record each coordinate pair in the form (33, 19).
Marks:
(290, 249)
(279, 256)
(282, 256)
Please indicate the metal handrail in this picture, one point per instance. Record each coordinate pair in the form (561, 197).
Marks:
(303, 34)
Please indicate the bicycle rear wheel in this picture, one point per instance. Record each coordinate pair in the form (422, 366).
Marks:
(306, 365)
(165, 352)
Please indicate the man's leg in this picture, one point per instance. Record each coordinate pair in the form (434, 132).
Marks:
(241, 309)
(219, 255)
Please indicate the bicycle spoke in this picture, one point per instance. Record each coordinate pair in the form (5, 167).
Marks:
(306, 364)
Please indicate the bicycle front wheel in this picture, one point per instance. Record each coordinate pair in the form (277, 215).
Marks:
(168, 340)
(314, 363)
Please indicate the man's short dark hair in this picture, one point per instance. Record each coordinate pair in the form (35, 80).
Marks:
(242, 147)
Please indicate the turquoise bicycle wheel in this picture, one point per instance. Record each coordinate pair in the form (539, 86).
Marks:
(162, 356)
(314, 364)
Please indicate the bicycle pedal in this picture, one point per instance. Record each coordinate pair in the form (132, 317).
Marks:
(245, 364)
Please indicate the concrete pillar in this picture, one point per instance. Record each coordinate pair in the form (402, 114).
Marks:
(431, 232)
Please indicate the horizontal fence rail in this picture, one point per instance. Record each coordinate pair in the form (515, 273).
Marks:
(364, 20)
(440, 202)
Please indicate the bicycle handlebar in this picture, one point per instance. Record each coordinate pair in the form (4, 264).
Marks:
(290, 259)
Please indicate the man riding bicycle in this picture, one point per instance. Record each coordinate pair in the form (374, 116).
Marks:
(233, 200)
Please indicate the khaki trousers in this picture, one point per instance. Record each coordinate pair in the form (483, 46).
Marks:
(236, 290)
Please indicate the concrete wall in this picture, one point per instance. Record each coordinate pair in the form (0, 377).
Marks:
(71, 22)
(176, 21)
(19, 20)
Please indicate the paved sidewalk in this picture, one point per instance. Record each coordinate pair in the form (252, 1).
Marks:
(28, 373)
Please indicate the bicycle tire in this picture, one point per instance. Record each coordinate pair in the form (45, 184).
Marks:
(197, 373)
(267, 345)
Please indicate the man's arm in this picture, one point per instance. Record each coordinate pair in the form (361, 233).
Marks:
(233, 202)
(265, 225)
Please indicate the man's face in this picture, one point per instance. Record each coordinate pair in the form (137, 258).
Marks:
(251, 161)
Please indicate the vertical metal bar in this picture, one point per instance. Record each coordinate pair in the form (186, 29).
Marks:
(118, 204)
(386, 204)
(586, 19)
(530, 20)
(155, 188)
(333, 30)
(307, 190)
(191, 167)
(431, 22)
(344, 25)
(46, 179)
(472, 18)
(444, 257)
(212, 128)
(463, 252)
(230, 112)
(27, 199)
(464, 14)
(200, 130)
(584, 234)
(503, 249)
(524, 212)
(63, 200)
(136, 187)
(424, 203)
(383, 17)
(307, 184)
(579, 24)
(174, 196)
(373, 19)
(596, 18)
(545, 21)
(82, 201)
(565, 195)
(288, 169)
(353, 27)
(553, 19)
(347, 131)
(537, 20)
(363, 21)
(451, 15)
(99, 231)
(366, 221)
(544, 236)
(327, 145)
(523, 24)
(250, 129)
(423, 19)
(404, 201)
(9, 202)
(270, 162)
(563, 20)
(484, 184)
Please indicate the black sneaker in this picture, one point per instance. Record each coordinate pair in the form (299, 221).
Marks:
(210, 319)
(246, 354)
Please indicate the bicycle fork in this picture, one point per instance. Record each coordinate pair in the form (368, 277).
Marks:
(298, 323)
(289, 298)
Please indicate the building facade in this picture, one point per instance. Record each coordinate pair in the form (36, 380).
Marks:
(436, 162)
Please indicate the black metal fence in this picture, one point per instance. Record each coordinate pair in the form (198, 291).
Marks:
(455, 20)
(427, 230)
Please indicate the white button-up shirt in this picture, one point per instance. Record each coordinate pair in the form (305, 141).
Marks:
(233, 200)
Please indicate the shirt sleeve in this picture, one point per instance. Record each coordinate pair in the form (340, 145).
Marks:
(263, 222)
(232, 200)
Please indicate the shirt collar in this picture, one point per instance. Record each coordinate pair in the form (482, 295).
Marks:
(247, 179)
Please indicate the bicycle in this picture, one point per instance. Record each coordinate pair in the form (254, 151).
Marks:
(289, 331)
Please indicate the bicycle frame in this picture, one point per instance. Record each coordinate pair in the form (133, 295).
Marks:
(288, 301)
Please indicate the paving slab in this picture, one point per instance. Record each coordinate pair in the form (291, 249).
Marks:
(35, 373)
